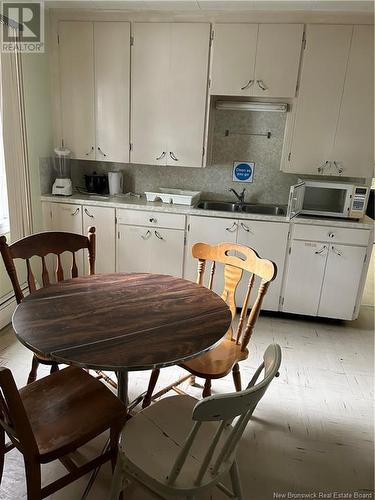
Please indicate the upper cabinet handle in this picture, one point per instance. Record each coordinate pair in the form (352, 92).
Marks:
(245, 227)
(323, 166)
(172, 155)
(161, 156)
(249, 83)
(76, 211)
(261, 85)
(339, 169)
(232, 228)
(88, 213)
(102, 152)
(89, 152)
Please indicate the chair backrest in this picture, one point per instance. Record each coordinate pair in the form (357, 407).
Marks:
(224, 408)
(40, 245)
(13, 417)
(237, 259)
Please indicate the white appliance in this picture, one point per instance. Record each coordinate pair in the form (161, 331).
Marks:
(328, 199)
(115, 183)
(63, 183)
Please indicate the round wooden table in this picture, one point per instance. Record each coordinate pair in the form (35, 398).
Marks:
(122, 322)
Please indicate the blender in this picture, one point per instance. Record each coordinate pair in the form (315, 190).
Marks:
(63, 183)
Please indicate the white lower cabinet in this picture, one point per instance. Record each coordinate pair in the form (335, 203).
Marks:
(268, 239)
(75, 218)
(324, 278)
(103, 219)
(150, 249)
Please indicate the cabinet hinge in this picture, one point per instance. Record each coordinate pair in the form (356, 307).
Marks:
(304, 41)
(364, 260)
(209, 83)
(288, 237)
(130, 146)
(212, 36)
(115, 220)
(289, 156)
(203, 151)
(281, 301)
(188, 227)
(290, 250)
(58, 39)
(184, 239)
(131, 41)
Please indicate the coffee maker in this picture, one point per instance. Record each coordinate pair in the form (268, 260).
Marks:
(63, 183)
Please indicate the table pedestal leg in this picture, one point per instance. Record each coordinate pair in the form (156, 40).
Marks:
(122, 387)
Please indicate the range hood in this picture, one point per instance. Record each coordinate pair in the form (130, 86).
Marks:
(278, 107)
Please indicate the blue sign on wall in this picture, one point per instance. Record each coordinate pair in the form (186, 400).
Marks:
(243, 171)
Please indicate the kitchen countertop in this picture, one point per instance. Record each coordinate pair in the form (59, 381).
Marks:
(129, 202)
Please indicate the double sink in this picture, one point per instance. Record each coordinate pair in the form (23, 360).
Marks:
(247, 208)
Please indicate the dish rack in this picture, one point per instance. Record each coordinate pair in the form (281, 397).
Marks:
(174, 196)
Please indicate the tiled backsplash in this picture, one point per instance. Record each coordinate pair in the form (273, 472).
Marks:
(270, 184)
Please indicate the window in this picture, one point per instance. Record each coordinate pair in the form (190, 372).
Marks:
(4, 214)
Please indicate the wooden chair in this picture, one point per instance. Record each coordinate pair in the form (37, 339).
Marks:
(183, 447)
(40, 245)
(225, 357)
(52, 417)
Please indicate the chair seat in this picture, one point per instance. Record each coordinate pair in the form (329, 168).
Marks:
(67, 409)
(151, 440)
(218, 362)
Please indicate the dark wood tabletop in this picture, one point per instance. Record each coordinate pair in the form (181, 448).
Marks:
(122, 321)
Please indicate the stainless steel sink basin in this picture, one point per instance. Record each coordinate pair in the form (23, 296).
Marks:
(247, 208)
(219, 205)
(263, 209)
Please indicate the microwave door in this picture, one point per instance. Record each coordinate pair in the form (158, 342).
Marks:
(296, 197)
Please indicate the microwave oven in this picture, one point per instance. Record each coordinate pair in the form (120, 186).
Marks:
(328, 199)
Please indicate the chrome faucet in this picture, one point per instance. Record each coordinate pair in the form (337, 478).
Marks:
(241, 196)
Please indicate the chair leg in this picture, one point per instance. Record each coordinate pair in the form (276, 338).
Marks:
(237, 377)
(118, 479)
(54, 368)
(192, 380)
(151, 386)
(113, 444)
(34, 370)
(33, 480)
(236, 481)
(2, 451)
(207, 388)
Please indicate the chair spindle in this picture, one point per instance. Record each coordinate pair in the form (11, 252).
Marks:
(45, 275)
(255, 310)
(59, 269)
(244, 308)
(30, 277)
(201, 268)
(181, 457)
(212, 273)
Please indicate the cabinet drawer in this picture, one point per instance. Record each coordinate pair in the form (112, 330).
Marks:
(331, 233)
(154, 219)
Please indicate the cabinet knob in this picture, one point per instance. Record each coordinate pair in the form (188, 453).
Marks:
(331, 235)
(152, 219)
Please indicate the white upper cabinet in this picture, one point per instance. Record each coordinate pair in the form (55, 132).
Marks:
(76, 51)
(94, 82)
(187, 93)
(169, 91)
(277, 61)
(256, 60)
(149, 116)
(333, 127)
(233, 59)
(112, 81)
(353, 148)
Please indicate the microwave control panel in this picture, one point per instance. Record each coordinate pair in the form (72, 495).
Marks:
(359, 199)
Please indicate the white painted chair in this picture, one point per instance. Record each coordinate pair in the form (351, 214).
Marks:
(183, 447)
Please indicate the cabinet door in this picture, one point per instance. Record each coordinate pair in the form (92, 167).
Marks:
(133, 249)
(277, 60)
(77, 88)
(66, 217)
(112, 73)
(103, 219)
(322, 82)
(341, 281)
(304, 277)
(354, 141)
(167, 251)
(150, 72)
(209, 230)
(269, 240)
(189, 47)
(233, 59)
